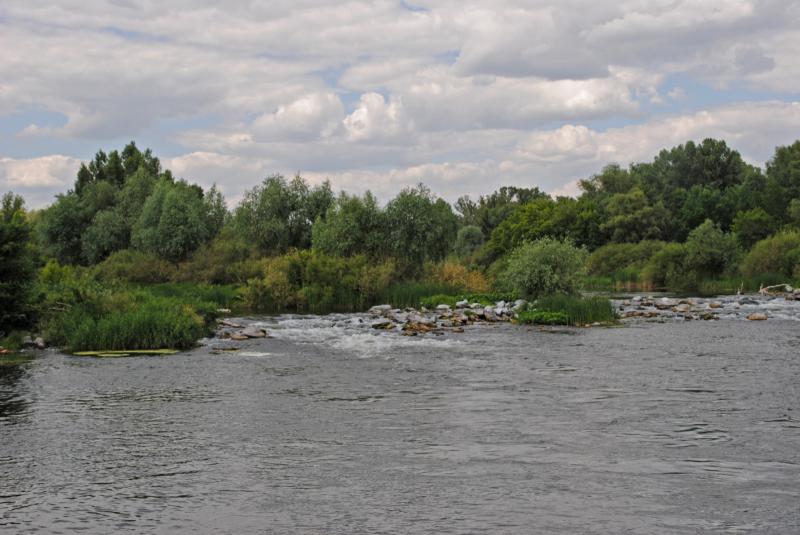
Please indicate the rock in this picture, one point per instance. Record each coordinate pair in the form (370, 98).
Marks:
(709, 316)
(748, 301)
(229, 323)
(665, 303)
(239, 337)
(38, 343)
(757, 316)
(488, 314)
(380, 310)
(443, 308)
(253, 332)
(519, 304)
(462, 304)
(715, 304)
(224, 310)
(417, 327)
(384, 324)
(683, 308)
(476, 306)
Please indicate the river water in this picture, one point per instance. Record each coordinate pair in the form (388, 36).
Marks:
(332, 427)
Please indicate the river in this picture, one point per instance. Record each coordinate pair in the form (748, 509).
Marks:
(331, 427)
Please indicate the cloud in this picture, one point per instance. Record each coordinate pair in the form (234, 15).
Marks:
(464, 95)
(38, 179)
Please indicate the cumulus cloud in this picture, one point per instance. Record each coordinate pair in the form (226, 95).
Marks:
(38, 179)
(462, 95)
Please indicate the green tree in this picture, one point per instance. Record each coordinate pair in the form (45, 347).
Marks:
(173, 223)
(631, 218)
(544, 267)
(752, 226)
(353, 225)
(420, 227)
(62, 226)
(468, 240)
(16, 263)
(709, 250)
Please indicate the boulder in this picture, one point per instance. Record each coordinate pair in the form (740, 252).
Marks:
(384, 324)
(757, 316)
(380, 310)
(230, 323)
(715, 304)
(665, 303)
(254, 332)
(683, 308)
(489, 314)
(462, 304)
(239, 337)
(442, 308)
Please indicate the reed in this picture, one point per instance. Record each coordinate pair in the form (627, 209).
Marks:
(571, 310)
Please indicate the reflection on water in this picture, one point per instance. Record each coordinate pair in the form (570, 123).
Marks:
(331, 427)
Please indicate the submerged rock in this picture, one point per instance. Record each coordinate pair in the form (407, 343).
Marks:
(757, 316)
(254, 332)
(384, 324)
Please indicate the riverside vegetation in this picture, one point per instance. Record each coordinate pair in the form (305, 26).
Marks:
(132, 258)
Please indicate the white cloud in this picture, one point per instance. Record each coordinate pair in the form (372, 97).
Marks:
(38, 179)
(310, 116)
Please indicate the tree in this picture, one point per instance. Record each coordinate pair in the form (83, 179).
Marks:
(353, 225)
(17, 268)
(468, 240)
(277, 215)
(62, 226)
(544, 267)
(173, 223)
(631, 218)
(709, 250)
(420, 227)
(752, 226)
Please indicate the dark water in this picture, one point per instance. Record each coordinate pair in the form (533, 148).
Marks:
(652, 428)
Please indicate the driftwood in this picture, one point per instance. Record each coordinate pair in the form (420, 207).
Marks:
(775, 289)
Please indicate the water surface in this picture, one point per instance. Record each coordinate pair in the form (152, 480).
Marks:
(330, 427)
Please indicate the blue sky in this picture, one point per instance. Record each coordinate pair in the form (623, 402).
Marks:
(463, 96)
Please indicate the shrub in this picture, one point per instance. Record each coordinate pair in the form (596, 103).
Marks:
(544, 267)
(667, 268)
(622, 258)
(779, 254)
(135, 266)
(468, 240)
(457, 275)
(710, 251)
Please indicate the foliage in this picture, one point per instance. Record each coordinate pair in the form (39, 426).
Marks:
(544, 267)
(130, 320)
(315, 282)
(412, 293)
(667, 269)
(543, 317)
(709, 250)
(457, 276)
(468, 240)
(225, 259)
(419, 227)
(752, 226)
(560, 309)
(352, 225)
(615, 259)
(278, 215)
(175, 221)
(134, 266)
(17, 268)
(779, 254)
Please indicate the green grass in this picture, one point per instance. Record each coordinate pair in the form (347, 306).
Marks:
(573, 310)
(131, 320)
(224, 296)
(543, 317)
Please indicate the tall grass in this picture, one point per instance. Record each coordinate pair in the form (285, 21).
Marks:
(222, 295)
(574, 310)
(131, 320)
(410, 294)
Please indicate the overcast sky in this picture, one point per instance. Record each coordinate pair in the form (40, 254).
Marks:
(464, 96)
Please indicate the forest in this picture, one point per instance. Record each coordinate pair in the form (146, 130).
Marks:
(134, 257)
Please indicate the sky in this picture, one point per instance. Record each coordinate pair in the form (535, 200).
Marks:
(462, 96)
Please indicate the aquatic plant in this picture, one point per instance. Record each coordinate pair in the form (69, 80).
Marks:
(575, 310)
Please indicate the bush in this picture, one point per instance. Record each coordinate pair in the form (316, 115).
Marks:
(779, 254)
(468, 240)
(220, 261)
(135, 266)
(315, 282)
(543, 267)
(456, 275)
(667, 268)
(624, 259)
